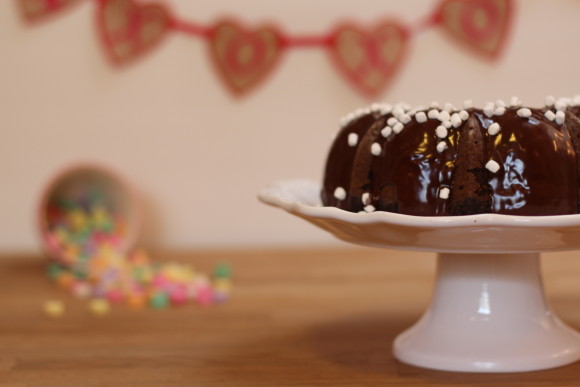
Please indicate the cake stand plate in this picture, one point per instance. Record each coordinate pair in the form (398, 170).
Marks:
(488, 311)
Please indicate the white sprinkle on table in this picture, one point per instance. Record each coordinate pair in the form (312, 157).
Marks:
(434, 105)
(376, 149)
(352, 139)
(444, 193)
(499, 103)
(386, 131)
(467, 104)
(492, 166)
(549, 100)
(340, 193)
(448, 107)
(560, 117)
(550, 115)
(441, 146)
(493, 129)
(441, 131)
(421, 117)
(524, 113)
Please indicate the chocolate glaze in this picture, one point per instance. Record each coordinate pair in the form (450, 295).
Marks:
(539, 163)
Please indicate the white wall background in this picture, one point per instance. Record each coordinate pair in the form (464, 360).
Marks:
(198, 154)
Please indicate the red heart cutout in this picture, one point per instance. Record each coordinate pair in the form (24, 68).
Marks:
(369, 59)
(129, 29)
(37, 9)
(481, 25)
(244, 57)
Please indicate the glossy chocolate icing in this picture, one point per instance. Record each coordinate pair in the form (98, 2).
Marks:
(538, 161)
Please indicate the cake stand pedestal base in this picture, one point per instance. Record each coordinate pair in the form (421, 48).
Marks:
(488, 314)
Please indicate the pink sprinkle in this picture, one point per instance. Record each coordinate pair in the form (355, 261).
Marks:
(204, 295)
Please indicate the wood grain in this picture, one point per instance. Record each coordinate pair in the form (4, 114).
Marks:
(297, 318)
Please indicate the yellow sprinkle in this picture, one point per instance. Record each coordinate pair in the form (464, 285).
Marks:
(99, 307)
(53, 308)
(222, 284)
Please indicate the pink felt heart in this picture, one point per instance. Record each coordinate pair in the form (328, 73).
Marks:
(369, 59)
(129, 29)
(244, 57)
(38, 9)
(481, 25)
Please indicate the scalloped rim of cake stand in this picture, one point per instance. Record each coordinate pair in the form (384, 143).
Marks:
(489, 233)
(488, 312)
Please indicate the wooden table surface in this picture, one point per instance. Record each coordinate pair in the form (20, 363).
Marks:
(296, 318)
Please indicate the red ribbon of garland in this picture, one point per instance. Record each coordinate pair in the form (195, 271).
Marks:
(368, 57)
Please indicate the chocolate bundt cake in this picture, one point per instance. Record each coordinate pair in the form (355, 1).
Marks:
(504, 159)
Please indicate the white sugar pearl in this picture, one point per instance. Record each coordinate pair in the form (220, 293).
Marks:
(370, 208)
(386, 108)
(443, 116)
(515, 102)
(446, 124)
(366, 198)
(560, 105)
(441, 146)
(524, 112)
(464, 115)
(467, 104)
(499, 103)
(560, 117)
(405, 118)
(398, 110)
(392, 121)
(489, 109)
(550, 115)
(376, 149)
(421, 117)
(398, 127)
(448, 107)
(549, 100)
(444, 193)
(352, 139)
(456, 120)
(492, 166)
(499, 111)
(441, 131)
(386, 131)
(493, 129)
(340, 193)
(433, 114)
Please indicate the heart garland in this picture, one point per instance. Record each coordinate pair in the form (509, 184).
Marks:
(244, 57)
(34, 10)
(368, 58)
(129, 29)
(480, 25)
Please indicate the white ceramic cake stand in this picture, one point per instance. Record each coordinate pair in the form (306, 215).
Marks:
(488, 311)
